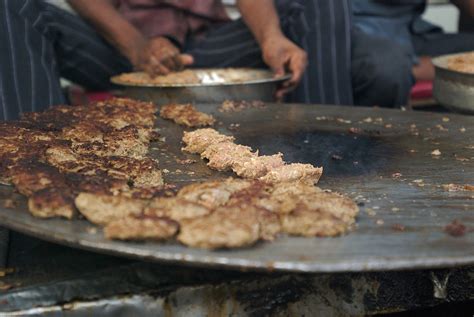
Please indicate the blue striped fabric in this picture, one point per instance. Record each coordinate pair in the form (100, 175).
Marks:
(43, 43)
(322, 28)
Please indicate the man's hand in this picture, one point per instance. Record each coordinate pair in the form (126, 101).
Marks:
(159, 56)
(278, 51)
(282, 56)
(155, 56)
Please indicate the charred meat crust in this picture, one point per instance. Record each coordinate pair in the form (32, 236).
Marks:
(54, 155)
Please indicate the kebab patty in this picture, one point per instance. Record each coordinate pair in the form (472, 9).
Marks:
(187, 115)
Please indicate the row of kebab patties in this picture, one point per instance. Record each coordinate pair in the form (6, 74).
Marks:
(76, 164)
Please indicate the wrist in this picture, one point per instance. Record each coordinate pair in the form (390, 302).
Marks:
(132, 47)
(269, 38)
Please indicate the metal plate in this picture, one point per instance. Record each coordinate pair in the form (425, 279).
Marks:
(259, 84)
(215, 77)
(453, 89)
(360, 165)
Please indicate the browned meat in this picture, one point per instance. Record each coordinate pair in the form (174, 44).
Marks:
(198, 141)
(103, 209)
(257, 166)
(269, 223)
(322, 214)
(311, 223)
(30, 176)
(176, 209)
(293, 172)
(144, 172)
(175, 78)
(141, 228)
(52, 202)
(187, 115)
(121, 112)
(98, 149)
(224, 154)
(83, 132)
(235, 213)
(93, 159)
(212, 194)
(226, 227)
(102, 184)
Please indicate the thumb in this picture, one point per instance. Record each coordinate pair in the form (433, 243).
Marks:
(186, 59)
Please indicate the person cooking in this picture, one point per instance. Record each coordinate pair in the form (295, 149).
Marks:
(43, 43)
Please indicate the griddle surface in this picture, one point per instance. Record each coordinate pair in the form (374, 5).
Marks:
(361, 158)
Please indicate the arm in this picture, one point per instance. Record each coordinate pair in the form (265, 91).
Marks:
(156, 56)
(278, 52)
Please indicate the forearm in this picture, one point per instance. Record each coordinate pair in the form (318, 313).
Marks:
(253, 12)
(110, 24)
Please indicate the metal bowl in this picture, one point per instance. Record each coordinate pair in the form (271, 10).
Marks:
(216, 86)
(453, 89)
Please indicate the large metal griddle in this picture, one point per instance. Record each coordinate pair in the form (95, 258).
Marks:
(360, 164)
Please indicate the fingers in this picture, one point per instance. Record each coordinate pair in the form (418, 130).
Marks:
(186, 59)
(297, 66)
(165, 65)
(161, 56)
(279, 70)
(282, 91)
(157, 67)
(172, 62)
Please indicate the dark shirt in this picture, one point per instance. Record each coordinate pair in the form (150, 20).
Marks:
(176, 19)
(393, 19)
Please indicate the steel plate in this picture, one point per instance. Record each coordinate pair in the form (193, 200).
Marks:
(362, 162)
(212, 77)
(453, 89)
(241, 83)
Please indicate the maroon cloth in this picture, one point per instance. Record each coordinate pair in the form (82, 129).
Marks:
(173, 18)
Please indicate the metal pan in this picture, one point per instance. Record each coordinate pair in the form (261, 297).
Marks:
(218, 85)
(403, 216)
(453, 89)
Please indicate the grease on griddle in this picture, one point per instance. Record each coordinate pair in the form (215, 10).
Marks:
(234, 126)
(10, 203)
(455, 229)
(185, 161)
(355, 130)
(398, 227)
(436, 152)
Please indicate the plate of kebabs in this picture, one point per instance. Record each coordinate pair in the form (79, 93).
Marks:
(199, 77)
